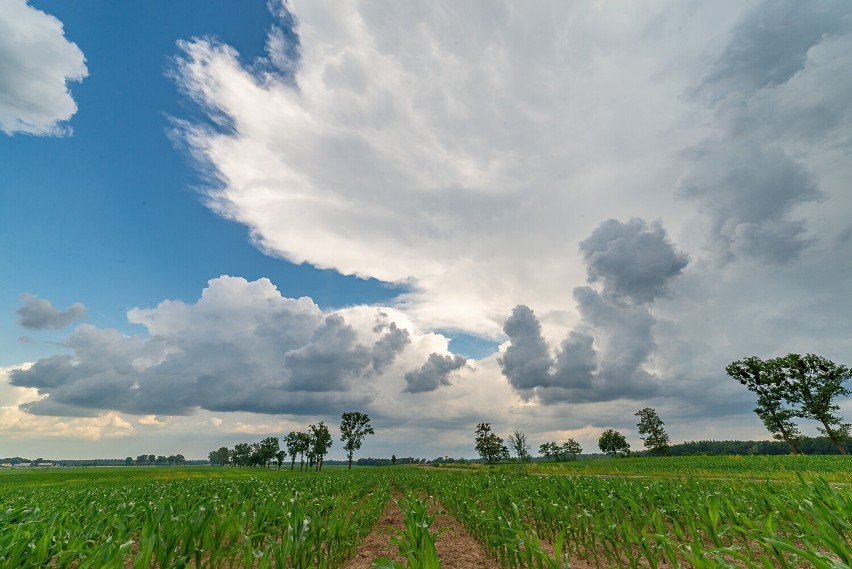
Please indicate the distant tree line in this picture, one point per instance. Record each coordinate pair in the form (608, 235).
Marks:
(491, 448)
(155, 460)
(310, 446)
(808, 445)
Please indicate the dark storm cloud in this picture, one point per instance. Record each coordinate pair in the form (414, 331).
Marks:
(632, 260)
(576, 362)
(40, 314)
(602, 361)
(627, 339)
(275, 355)
(433, 374)
(388, 346)
(527, 362)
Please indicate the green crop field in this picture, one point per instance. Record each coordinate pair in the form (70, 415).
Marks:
(231, 517)
(834, 468)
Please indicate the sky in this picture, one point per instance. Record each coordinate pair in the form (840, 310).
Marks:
(224, 221)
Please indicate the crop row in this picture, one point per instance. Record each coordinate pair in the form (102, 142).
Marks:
(281, 521)
(528, 521)
(291, 519)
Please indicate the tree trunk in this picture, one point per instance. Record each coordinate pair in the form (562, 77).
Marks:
(832, 436)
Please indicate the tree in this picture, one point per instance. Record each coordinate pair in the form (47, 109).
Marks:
(321, 441)
(813, 382)
(612, 442)
(518, 443)
(489, 446)
(142, 459)
(393, 459)
(241, 454)
(354, 426)
(293, 442)
(766, 379)
(571, 448)
(267, 449)
(650, 424)
(128, 461)
(219, 457)
(549, 450)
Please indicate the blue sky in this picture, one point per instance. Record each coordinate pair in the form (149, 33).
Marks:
(546, 217)
(115, 219)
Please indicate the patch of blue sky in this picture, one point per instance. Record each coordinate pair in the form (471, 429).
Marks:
(111, 215)
(470, 346)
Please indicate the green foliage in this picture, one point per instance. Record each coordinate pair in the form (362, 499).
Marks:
(488, 445)
(656, 439)
(766, 379)
(518, 443)
(201, 517)
(416, 542)
(796, 386)
(566, 451)
(320, 442)
(612, 442)
(354, 426)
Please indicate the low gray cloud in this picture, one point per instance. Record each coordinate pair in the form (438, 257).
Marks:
(632, 260)
(39, 314)
(275, 355)
(433, 374)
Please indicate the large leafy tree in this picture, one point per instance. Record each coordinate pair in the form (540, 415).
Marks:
(656, 439)
(767, 380)
(489, 446)
(812, 384)
(354, 426)
(518, 443)
(612, 442)
(321, 441)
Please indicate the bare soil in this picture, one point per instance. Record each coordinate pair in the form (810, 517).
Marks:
(456, 548)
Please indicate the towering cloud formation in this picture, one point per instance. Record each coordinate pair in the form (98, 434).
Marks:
(633, 262)
(38, 314)
(37, 64)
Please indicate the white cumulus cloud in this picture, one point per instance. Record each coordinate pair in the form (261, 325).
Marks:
(36, 64)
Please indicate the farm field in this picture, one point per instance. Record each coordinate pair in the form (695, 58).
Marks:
(230, 517)
(833, 468)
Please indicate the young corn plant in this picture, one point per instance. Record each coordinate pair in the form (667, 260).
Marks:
(416, 543)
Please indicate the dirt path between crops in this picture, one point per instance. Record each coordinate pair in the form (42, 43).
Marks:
(456, 548)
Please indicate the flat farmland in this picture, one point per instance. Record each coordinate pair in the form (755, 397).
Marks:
(230, 517)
